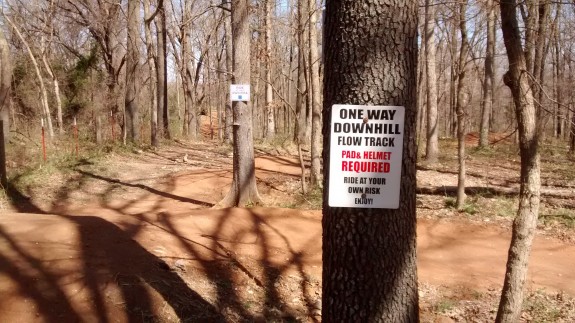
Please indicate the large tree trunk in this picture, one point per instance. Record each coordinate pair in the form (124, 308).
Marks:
(243, 190)
(489, 77)
(132, 115)
(462, 101)
(432, 147)
(525, 223)
(315, 169)
(369, 255)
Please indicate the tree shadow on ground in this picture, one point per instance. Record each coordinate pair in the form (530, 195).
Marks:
(251, 268)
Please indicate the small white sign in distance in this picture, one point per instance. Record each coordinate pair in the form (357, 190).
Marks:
(366, 149)
(240, 92)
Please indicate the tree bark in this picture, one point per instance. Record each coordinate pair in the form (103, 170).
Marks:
(243, 190)
(369, 255)
(525, 223)
(432, 147)
(488, 80)
(132, 113)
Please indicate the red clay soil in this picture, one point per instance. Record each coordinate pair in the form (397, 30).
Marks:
(163, 257)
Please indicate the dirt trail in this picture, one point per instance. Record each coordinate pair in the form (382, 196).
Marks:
(157, 251)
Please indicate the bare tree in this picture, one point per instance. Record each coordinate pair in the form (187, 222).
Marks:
(43, 92)
(315, 169)
(489, 77)
(243, 189)
(270, 119)
(132, 58)
(432, 147)
(101, 20)
(454, 73)
(301, 88)
(162, 73)
(45, 45)
(151, 61)
(462, 102)
(229, 68)
(5, 83)
(517, 79)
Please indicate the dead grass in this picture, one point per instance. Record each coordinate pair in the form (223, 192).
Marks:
(464, 305)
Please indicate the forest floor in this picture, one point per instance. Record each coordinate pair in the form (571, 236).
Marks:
(132, 237)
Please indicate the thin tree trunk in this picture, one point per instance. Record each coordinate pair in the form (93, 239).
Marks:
(190, 126)
(572, 135)
(432, 147)
(462, 101)
(48, 17)
(315, 169)
(539, 65)
(162, 76)
(228, 108)
(150, 50)
(525, 222)
(453, 80)
(132, 114)
(43, 92)
(488, 84)
(56, 84)
(530, 18)
(301, 90)
(5, 83)
(271, 126)
(559, 77)
(258, 114)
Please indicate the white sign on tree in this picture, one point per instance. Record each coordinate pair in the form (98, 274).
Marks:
(366, 150)
(240, 92)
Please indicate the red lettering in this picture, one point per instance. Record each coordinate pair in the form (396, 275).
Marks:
(386, 168)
